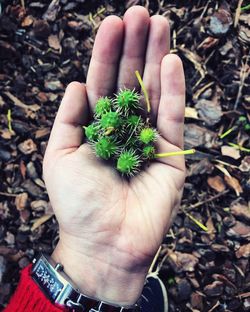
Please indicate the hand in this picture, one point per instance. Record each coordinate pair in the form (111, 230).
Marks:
(110, 229)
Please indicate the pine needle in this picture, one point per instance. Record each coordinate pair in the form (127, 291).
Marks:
(241, 148)
(138, 76)
(223, 135)
(186, 152)
(202, 226)
(9, 121)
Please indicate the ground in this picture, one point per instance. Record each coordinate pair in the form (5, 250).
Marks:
(204, 259)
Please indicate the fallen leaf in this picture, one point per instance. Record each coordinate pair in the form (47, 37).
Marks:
(216, 183)
(234, 184)
(230, 152)
(40, 221)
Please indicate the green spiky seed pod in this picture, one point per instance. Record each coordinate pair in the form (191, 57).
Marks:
(149, 152)
(103, 105)
(133, 120)
(110, 119)
(91, 132)
(147, 135)
(128, 163)
(105, 148)
(127, 99)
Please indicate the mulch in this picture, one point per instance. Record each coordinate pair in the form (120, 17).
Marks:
(204, 259)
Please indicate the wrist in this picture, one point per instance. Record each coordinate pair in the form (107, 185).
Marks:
(119, 284)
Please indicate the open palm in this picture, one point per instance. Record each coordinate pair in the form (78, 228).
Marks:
(111, 227)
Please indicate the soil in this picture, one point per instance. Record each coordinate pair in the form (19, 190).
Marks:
(204, 259)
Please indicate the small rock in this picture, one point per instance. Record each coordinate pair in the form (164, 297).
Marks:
(2, 267)
(243, 251)
(27, 147)
(215, 289)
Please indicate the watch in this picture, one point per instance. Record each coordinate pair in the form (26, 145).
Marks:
(61, 290)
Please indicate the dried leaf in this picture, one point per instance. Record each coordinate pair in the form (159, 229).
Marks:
(216, 183)
(234, 184)
(230, 151)
(40, 221)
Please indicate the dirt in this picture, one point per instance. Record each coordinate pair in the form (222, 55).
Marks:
(204, 259)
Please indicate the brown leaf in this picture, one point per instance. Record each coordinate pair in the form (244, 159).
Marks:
(216, 183)
(230, 151)
(234, 184)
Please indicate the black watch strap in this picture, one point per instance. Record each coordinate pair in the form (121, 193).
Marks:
(60, 289)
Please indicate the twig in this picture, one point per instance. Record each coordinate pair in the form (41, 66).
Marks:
(23, 4)
(208, 200)
(237, 13)
(243, 76)
(7, 194)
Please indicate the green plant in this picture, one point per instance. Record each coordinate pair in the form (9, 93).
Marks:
(122, 134)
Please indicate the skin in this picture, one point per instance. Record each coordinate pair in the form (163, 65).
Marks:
(110, 229)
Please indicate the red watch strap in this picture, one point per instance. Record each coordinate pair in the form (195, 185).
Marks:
(29, 298)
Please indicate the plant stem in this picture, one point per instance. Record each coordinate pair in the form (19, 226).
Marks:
(138, 76)
(186, 152)
(223, 135)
